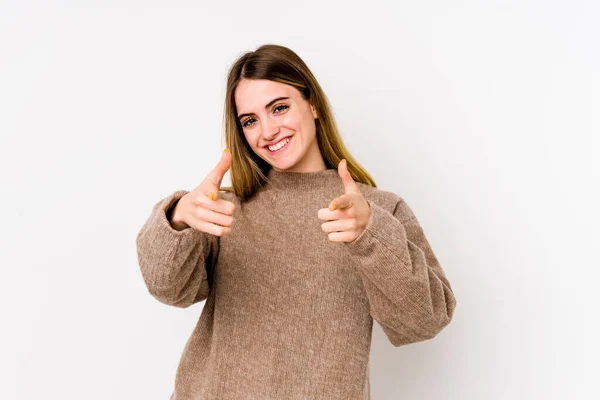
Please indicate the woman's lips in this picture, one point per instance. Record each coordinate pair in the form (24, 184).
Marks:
(281, 150)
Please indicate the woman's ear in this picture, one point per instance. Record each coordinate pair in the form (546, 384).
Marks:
(314, 111)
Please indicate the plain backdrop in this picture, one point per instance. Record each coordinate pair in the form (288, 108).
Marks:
(482, 115)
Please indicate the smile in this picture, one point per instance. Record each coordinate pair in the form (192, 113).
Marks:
(280, 146)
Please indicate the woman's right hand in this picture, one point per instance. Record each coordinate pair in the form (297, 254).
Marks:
(201, 209)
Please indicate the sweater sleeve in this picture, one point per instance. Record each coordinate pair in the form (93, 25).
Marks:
(408, 292)
(176, 265)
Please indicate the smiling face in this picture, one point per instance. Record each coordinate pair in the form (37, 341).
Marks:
(273, 113)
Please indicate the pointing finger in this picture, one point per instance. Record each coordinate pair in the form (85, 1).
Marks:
(342, 202)
(215, 177)
(349, 184)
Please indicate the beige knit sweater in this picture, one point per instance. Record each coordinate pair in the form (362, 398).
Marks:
(289, 314)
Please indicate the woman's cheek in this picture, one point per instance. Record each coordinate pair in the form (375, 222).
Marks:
(290, 122)
(252, 139)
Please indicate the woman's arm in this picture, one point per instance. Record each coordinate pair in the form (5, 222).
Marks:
(176, 264)
(408, 292)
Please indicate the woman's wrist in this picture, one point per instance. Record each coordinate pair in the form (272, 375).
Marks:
(174, 218)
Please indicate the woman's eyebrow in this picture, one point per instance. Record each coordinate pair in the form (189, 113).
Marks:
(267, 106)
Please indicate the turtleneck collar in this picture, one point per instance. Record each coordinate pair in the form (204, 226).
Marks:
(304, 181)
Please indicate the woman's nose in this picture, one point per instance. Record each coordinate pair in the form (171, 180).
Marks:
(270, 128)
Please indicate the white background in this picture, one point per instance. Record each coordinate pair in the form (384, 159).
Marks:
(482, 115)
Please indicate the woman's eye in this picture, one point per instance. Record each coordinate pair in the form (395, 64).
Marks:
(281, 107)
(277, 109)
(245, 124)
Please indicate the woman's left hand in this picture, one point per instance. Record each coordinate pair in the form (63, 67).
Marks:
(348, 214)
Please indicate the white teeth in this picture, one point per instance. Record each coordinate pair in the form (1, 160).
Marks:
(279, 145)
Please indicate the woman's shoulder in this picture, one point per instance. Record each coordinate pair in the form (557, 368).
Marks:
(386, 199)
(377, 195)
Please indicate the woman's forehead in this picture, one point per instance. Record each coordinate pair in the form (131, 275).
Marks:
(254, 93)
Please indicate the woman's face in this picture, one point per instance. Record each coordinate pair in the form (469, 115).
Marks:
(273, 113)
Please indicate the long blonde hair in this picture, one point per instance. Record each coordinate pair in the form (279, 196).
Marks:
(280, 64)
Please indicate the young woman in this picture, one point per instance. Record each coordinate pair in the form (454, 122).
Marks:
(296, 258)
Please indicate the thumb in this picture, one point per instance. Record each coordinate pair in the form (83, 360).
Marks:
(215, 177)
(349, 184)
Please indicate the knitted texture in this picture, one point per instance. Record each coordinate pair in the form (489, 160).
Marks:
(288, 313)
